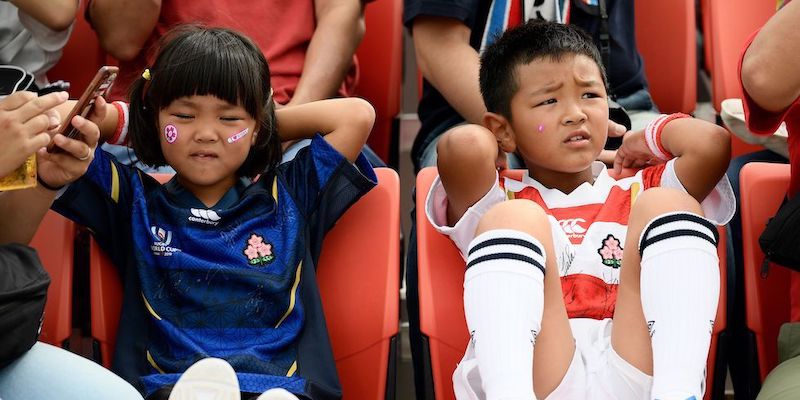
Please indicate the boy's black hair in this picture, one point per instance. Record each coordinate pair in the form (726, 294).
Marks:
(522, 45)
(220, 62)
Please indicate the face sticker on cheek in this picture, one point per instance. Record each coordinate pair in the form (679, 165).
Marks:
(238, 135)
(170, 133)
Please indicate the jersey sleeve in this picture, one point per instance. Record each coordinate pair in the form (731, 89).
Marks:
(323, 183)
(462, 10)
(463, 231)
(101, 201)
(719, 206)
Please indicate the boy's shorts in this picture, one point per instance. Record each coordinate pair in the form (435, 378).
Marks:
(597, 372)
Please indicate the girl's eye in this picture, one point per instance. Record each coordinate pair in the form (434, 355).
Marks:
(230, 119)
(547, 102)
(182, 116)
(590, 95)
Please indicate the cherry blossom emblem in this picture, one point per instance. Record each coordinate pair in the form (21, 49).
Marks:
(257, 251)
(611, 252)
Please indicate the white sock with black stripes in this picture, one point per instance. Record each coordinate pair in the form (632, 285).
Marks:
(503, 303)
(680, 291)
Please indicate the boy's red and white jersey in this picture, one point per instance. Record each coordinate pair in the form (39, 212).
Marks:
(589, 227)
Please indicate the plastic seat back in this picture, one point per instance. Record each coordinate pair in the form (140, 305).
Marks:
(730, 24)
(55, 241)
(767, 295)
(442, 321)
(380, 58)
(359, 279)
(669, 52)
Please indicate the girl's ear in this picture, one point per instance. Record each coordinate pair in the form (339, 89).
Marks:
(254, 136)
(501, 128)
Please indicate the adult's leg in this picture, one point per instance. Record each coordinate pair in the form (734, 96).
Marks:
(46, 372)
(783, 382)
(668, 293)
(508, 298)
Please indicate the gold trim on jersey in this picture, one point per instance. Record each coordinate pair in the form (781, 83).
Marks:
(292, 295)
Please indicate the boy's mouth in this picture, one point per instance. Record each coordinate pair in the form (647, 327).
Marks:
(577, 136)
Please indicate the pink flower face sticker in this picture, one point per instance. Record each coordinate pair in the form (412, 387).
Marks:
(611, 252)
(238, 135)
(170, 133)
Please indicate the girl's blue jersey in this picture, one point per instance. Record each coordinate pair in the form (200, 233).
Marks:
(235, 281)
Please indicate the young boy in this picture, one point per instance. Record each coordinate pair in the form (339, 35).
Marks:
(608, 328)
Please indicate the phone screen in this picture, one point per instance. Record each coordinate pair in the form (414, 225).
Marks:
(100, 86)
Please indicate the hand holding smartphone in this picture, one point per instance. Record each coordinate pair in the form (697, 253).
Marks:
(100, 86)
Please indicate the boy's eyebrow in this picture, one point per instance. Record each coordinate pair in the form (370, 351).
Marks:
(551, 87)
(586, 83)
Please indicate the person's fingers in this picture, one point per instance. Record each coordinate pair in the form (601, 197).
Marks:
(40, 140)
(615, 129)
(90, 131)
(99, 110)
(55, 118)
(16, 100)
(75, 148)
(39, 105)
(36, 125)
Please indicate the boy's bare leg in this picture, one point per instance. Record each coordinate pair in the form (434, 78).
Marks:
(554, 345)
(631, 338)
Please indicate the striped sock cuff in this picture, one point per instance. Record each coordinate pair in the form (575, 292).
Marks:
(676, 225)
(512, 248)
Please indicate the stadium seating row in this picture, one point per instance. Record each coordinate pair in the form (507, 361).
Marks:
(360, 270)
(365, 342)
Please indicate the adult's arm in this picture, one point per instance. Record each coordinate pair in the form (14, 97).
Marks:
(449, 63)
(123, 26)
(54, 14)
(771, 65)
(340, 28)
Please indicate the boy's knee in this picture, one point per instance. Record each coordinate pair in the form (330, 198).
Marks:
(657, 201)
(467, 144)
(521, 215)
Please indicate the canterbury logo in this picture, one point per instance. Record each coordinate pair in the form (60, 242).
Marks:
(208, 217)
(571, 227)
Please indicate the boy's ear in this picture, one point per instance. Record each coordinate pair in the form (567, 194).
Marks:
(501, 128)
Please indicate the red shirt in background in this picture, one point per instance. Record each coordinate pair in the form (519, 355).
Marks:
(282, 29)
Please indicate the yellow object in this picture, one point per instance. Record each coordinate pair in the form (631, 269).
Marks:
(146, 74)
(21, 178)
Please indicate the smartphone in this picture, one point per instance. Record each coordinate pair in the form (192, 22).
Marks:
(100, 86)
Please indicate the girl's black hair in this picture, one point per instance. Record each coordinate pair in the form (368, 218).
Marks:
(523, 44)
(220, 62)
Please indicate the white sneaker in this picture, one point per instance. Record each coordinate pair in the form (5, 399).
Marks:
(207, 379)
(277, 394)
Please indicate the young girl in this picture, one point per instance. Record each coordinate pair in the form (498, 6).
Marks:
(215, 263)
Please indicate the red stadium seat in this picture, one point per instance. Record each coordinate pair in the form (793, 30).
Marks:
(55, 241)
(442, 321)
(669, 52)
(359, 279)
(380, 57)
(730, 24)
(767, 295)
